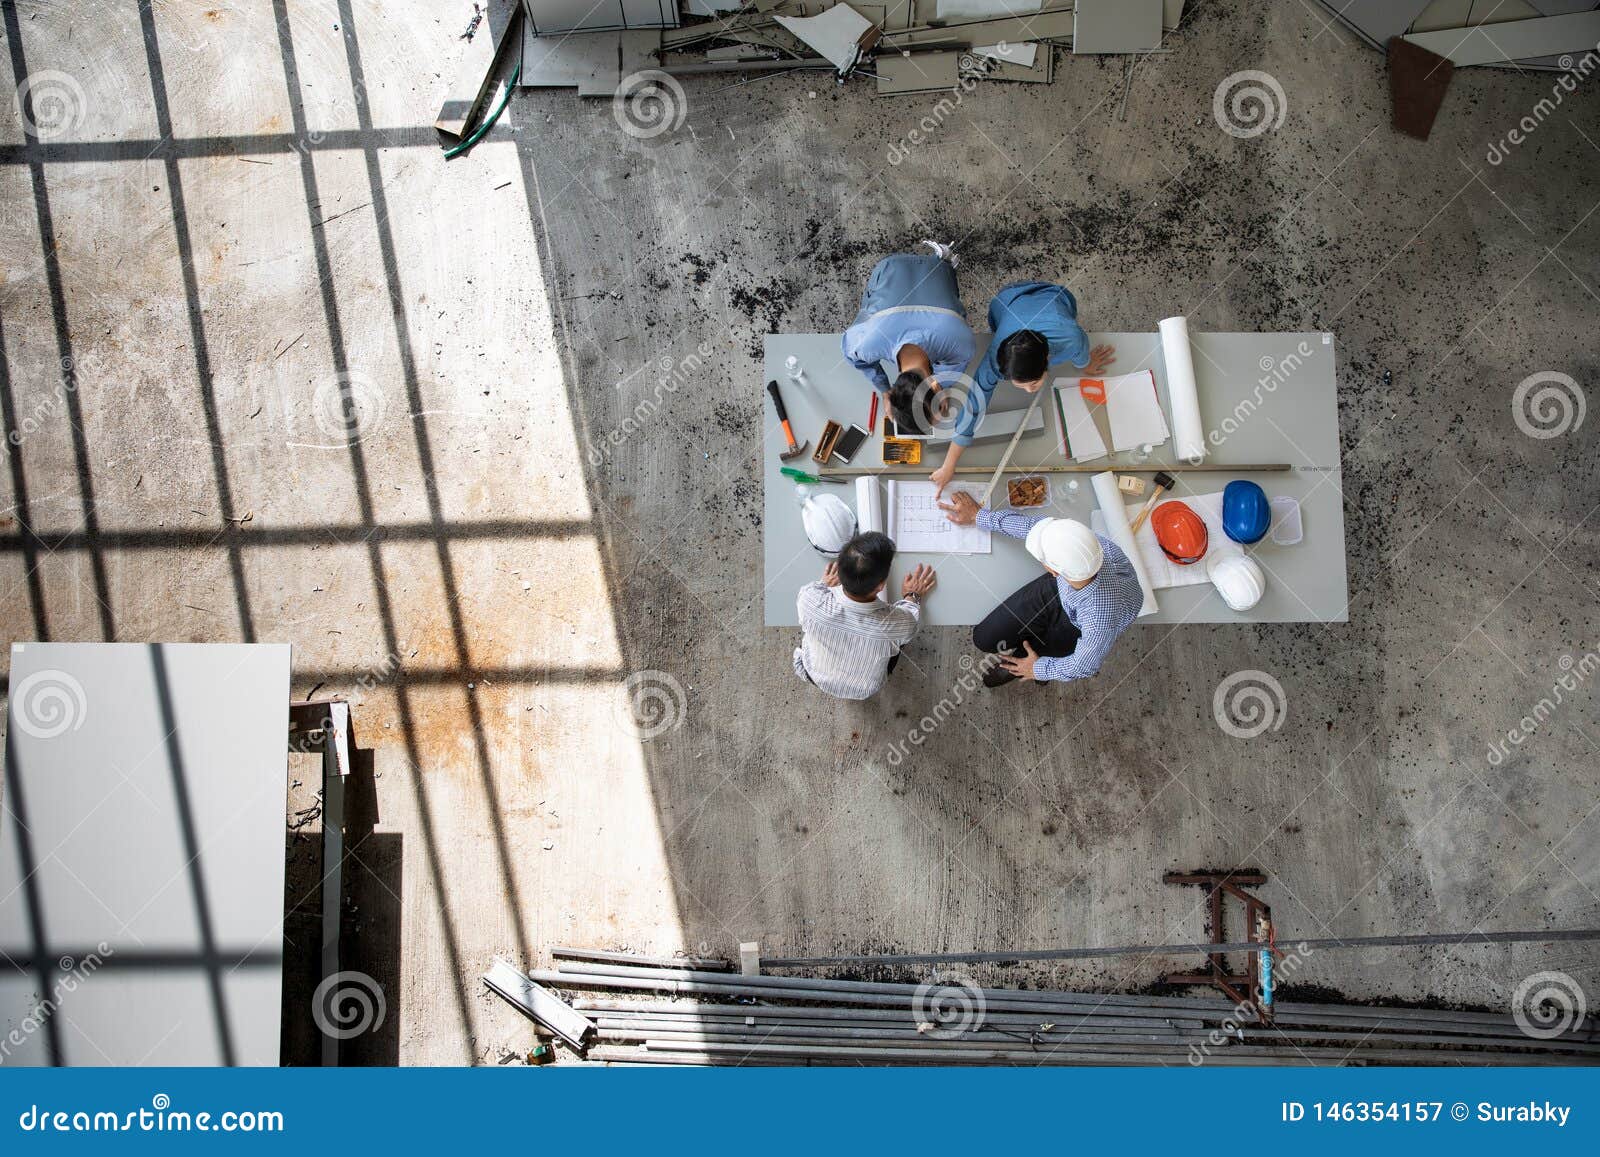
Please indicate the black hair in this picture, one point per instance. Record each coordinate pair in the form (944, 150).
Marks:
(903, 406)
(1024, 356)
(864, 563)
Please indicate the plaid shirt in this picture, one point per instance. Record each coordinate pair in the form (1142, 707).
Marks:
(1101, 611)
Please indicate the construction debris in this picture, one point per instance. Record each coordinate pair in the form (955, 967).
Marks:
(906, 46)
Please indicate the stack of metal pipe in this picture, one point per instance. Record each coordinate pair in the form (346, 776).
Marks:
(709, 1015)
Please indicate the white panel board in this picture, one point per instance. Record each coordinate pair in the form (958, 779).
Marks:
(143, 839)
(1518, 40)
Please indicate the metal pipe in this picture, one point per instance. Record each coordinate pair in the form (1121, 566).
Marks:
(1108, 1005)
(605, 956)
(999, 1001)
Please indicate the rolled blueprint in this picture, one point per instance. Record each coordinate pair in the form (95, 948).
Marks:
(1188, 436)
(1116, 515)
(869, 505)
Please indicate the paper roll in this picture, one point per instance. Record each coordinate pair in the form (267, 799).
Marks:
(869, 506)
(1188, 435)
(1116, 516)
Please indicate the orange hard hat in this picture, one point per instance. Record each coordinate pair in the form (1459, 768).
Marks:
(1180, 532)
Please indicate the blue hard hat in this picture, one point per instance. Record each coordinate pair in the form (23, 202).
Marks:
(1246, 513)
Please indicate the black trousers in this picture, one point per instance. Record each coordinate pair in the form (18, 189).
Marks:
(1032, 614)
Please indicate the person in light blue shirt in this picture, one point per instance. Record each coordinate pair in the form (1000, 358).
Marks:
(912, 317)
(1035, 326)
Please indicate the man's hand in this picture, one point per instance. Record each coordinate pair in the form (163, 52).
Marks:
(919, 582)
(942, 476)
(1021, 665)
(1099, 358)
(830, 574)
(962, 509)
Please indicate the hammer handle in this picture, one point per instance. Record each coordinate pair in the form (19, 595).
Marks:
(783, 414)
(1149, 505)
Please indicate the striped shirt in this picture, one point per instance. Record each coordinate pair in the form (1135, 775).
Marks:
(1101, 611)
(845, 646)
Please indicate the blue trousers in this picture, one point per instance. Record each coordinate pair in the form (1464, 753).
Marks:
(914, 279)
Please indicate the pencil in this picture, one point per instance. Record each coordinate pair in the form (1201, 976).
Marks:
(872, 418)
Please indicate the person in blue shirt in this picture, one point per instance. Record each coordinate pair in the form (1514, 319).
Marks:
(912, 317)
(1035, 326)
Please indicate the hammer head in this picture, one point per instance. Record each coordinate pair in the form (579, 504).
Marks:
(1165, 481)
(794, 451)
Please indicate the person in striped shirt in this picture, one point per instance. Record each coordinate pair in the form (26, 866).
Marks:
(1066, 620)
(850, 636)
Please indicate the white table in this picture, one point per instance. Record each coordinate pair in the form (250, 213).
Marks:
(1264, 397)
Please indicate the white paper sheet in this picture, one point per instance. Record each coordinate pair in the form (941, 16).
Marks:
(918, 526)
(1188, 433)
(1133, 411)
(1080, 437)
(1115, 521)
(869, 505)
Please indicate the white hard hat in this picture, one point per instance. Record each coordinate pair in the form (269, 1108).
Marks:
(829, 523)
(1238, 580)
(1067, 547)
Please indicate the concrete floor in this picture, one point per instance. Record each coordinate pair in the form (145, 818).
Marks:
(246, 213)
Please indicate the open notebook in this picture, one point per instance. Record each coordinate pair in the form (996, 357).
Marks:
(905, 509)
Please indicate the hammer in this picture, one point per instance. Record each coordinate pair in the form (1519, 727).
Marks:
(795, 448)
(1164, 482)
